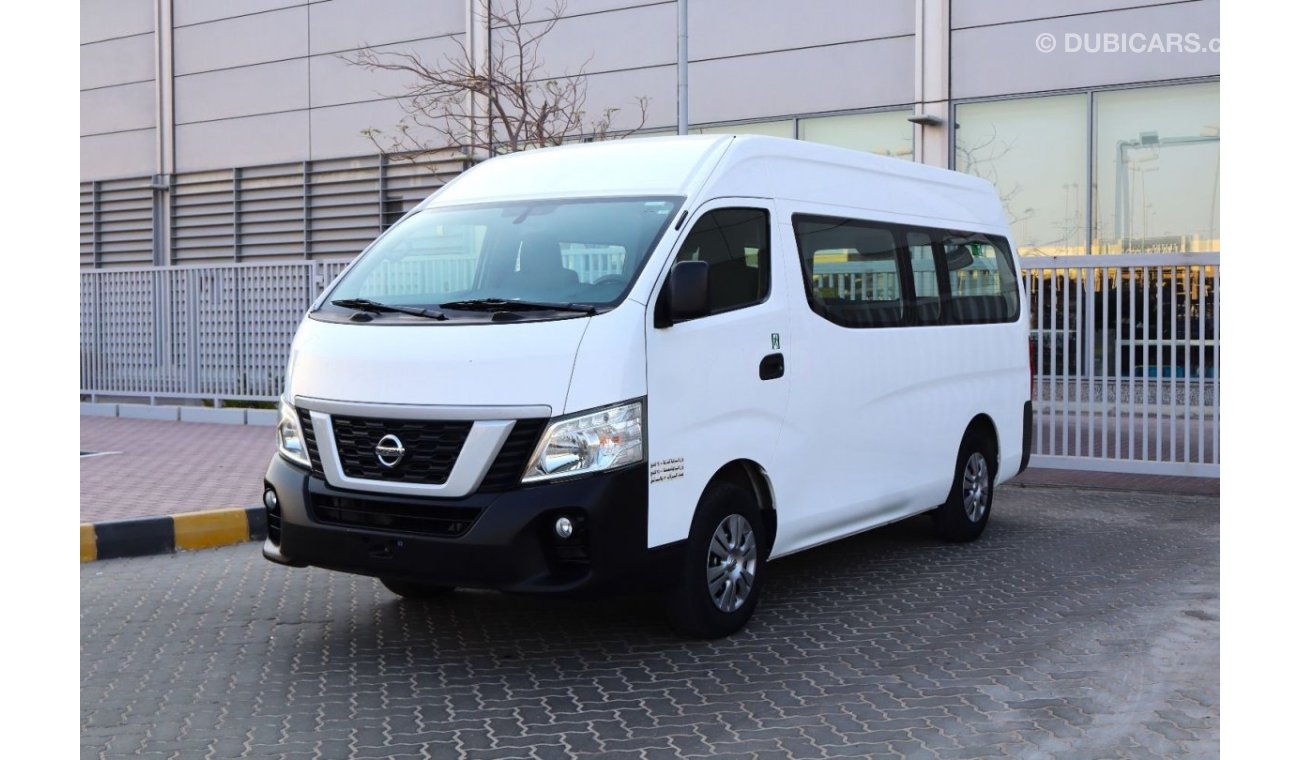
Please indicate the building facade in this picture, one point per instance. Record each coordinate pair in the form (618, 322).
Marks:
(233, 131)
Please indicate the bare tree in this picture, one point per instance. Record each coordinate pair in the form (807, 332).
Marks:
(495, 103)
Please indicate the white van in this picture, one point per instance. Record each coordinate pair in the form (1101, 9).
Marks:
(654, 363)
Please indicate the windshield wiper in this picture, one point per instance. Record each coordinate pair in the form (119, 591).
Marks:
(365, 304)
(501, 304)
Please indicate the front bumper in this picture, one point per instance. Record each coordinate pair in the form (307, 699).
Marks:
(510, 544)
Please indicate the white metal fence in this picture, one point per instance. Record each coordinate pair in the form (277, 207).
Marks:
(1126, 348)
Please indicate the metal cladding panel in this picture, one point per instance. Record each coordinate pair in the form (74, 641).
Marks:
(337, 81)
(625, 39)
(186, 12)
(272, 36)
(243, 141)
(118, 61)
(243, 91)
(770, 25)
(108, 19)
(976, 73)
(967, 13)
(351, 24)
(119, 154)
(829, 78)
(120, 108)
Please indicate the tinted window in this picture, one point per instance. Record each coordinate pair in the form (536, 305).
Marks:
(981, 280)
(851, 271)
(736, 245)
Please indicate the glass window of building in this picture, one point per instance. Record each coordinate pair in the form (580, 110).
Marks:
(1156, 155)
(782, 128)
(886, 133)
(1035, 151)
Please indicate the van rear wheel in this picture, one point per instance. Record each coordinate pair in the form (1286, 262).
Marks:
(970, 500)
(414, 590)
(723, 569)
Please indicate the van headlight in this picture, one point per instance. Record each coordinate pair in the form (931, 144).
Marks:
(288, 434)
(588, 442)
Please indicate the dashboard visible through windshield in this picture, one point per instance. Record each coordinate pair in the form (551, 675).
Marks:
(531, 259)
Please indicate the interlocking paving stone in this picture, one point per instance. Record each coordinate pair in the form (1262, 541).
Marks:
(1083, 624)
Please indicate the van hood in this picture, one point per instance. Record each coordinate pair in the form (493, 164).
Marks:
(524, 364)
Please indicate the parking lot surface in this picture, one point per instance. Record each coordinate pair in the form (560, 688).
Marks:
(1083, 624)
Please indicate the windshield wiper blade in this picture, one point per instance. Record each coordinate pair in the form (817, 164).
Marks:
(502, 304)
(365, 304)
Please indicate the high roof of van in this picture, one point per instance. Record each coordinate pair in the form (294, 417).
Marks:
(713, 166)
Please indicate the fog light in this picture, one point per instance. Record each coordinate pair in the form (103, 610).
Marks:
(270, 500)
(564, 527)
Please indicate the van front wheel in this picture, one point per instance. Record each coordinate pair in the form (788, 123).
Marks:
(963, 516)
(720, 581)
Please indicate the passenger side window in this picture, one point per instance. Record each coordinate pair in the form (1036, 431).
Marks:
(736, 244)
(925, 278)
(851, 271)
(981, 280)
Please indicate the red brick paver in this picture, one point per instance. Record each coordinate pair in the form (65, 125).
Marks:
(168, 467)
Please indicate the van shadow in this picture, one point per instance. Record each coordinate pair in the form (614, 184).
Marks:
(813, 587)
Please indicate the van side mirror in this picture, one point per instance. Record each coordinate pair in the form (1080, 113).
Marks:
(685, 294)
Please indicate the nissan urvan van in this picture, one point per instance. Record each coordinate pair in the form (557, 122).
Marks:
(654, 364)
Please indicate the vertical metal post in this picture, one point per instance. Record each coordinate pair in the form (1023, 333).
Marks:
(1200, 363)
(1068, 375)
(1106, 383)
(236, 175)
(192, 330)
(683, 100)
(164, 130)
(1090, 154)
(1038, 364)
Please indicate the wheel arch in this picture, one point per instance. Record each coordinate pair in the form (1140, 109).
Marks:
(750, 476)
(982, 426)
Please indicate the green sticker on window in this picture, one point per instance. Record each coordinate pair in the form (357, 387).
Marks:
(776, 341)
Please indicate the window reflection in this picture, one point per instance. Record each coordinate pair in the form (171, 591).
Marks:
(1034, 150)
(1155, 168)
(1156, 156)
(886, 134)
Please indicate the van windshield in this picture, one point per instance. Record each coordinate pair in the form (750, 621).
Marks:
(585, 251)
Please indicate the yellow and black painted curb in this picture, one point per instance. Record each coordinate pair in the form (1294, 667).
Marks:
(142, 536)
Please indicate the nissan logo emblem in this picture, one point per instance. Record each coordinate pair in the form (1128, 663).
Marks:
(389, 451)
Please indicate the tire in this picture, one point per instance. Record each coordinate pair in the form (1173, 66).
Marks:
(414, 590)
(699, 609)
(970, 500)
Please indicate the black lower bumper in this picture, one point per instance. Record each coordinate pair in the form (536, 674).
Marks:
(508, 542)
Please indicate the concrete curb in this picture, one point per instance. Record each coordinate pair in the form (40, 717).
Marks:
(143, 536)
(226, 415)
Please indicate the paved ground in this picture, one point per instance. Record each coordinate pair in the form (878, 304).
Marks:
(1084, 624)
(163, 468)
